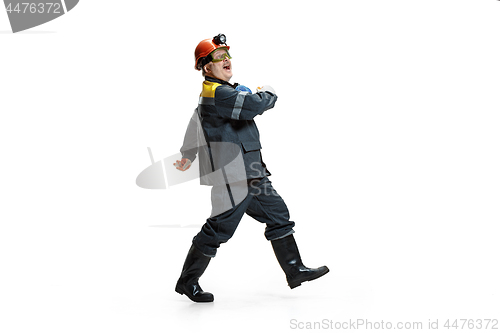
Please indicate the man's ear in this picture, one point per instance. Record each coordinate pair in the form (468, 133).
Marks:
(208, 68)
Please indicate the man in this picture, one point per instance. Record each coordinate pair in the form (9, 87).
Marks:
(224, 135)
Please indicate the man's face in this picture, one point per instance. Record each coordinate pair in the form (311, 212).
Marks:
(221, 70)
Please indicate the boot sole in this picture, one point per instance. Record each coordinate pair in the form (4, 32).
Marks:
(295, 284)
(197, 300)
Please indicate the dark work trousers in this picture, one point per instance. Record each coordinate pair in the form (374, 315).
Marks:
(260, 201)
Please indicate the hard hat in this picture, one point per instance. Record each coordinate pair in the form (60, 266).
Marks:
(207, 46)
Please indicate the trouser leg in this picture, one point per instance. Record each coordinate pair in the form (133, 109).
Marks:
(220, 228)
(268, 207)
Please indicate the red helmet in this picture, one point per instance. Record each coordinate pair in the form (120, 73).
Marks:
(207, 46)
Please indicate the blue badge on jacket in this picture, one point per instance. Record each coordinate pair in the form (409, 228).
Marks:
(241, 87)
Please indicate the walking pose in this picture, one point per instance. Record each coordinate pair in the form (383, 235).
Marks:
(224, 136)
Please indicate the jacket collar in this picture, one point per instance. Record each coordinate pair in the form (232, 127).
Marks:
(212, 79)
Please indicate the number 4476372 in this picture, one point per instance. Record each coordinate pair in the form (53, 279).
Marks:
(26, 7)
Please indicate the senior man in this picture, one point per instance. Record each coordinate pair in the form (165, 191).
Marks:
(223, 134)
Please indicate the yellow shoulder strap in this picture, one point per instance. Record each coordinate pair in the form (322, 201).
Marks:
(209, 89)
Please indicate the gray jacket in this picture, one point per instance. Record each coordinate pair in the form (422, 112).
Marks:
(224, 135)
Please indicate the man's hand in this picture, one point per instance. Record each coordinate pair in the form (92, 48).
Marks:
(266, 88)
(183, 164)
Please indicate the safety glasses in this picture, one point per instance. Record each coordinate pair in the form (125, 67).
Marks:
(221, 57)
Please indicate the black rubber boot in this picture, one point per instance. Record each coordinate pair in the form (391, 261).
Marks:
(194, 266)
(288, 256)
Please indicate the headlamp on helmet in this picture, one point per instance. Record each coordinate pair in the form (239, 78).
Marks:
(219, 39)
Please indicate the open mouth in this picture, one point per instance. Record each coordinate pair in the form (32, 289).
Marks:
(227, 67)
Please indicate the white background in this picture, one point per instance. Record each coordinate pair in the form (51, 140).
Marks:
(384, 143)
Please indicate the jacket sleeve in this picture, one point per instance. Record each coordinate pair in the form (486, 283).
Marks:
(189, 148)
(240, 105)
